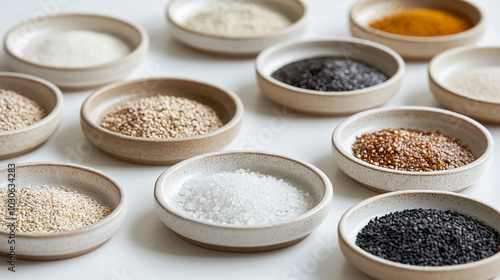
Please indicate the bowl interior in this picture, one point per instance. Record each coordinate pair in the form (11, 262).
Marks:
(293, 172)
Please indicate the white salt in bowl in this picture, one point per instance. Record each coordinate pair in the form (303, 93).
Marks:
(452, 61)
(14, 143)
(63, 245)
(243, 238)
(329, 102)
(378, 268)
(380, 179)
(414, 47)
(178, 11)
(154, 151)
(77, 78)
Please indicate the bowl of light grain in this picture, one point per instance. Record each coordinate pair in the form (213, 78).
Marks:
(56, 211)
(160, 121)
(243, 201)
(76, 51)
(418, 30)
(412, 148)
(236, 28)
(30, 113)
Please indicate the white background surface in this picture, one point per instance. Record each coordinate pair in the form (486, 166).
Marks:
(143, 248)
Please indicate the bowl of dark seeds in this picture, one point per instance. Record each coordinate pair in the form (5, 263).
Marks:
(329, 77)
(408, 148)
(160, 121)
(416, 235)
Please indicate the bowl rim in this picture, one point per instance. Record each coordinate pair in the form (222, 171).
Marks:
(484, 156)
(338, 40)
(324, 202)
(432, 72)
(120, 208)
(51, 116)
(235, 119)
(132, 55)
(292, 28)
(478, 27)
(342, 232)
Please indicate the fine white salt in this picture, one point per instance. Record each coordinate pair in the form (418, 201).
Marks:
(481, 83)
(75, 48)
(242, 197)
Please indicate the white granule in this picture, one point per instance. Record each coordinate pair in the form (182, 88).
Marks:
(237, 19)
(18, 111)
(242, 197)
(75, 48)
(479, 83)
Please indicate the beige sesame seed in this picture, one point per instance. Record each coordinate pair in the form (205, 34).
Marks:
(18, 111)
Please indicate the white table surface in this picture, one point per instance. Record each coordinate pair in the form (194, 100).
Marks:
(144, 248)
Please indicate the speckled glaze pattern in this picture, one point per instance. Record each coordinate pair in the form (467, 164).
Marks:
(81, 78)
(179, 10)
(378, 268)
(243, 238)
(20, 141)
(53, 246)
(329, 103)
(151, 151)
(413, 47)
(442, 65)
(470, 132)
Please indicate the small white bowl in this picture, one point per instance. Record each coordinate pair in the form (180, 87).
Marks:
(243, 238)
(178, 11)
(458, 59)
(14, 143)
(415, 47)
(155, 151)
(378, 268)
(80, 78)
(379, 179)
(63, 245)
(329, 102)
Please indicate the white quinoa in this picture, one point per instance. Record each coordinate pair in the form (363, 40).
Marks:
(18, 111)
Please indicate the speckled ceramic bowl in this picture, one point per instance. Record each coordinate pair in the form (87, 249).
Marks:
(452, 61)
(330, 102)
(62, 245)
(378, 268)
(243, 238)
(179, 11)
(414, 47)
(79, 78)
(20, 141)
(379, 179)
(155, 151)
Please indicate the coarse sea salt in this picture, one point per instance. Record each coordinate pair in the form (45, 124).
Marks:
(242, 197)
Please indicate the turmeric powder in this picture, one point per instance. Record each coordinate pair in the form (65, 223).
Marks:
(423, 22)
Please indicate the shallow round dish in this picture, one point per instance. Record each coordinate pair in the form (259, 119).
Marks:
(152, 151)
(63, 245)
(414, 47)
(80, 78)
(178, 11)
(378, 268)
(459, 59)
(243, 238)
(329, 103)
(379, 179)
(20, 141)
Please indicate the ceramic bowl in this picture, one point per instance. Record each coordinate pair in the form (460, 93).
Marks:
(378, 268)
(328, 103)
(459, 59)
(152, 151)
(380, 179)
(414, 47)
(243, 238)
(20, 141)
(179, 11)
(77, 78)
(63, 245)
